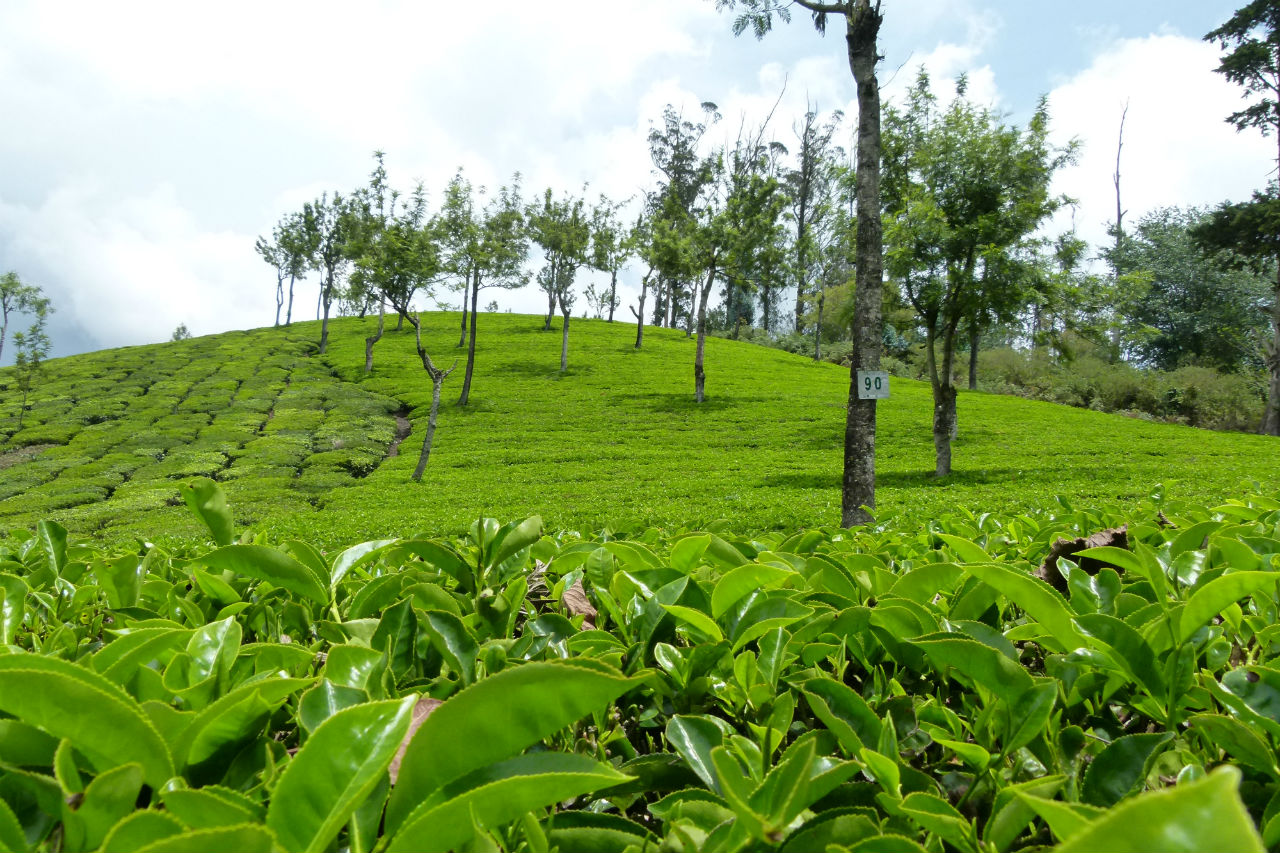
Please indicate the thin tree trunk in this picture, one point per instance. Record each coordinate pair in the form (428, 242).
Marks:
(700, 375)
(327, 300)
(817, 332)
(1271, 418)
(766, 295)
(437, 381)
(279, 298)
(288, 316)
(462, 336)
(4, 330)
(975, 336)
(858, 486)
(691, 321)
(471, 347)
(370, 341)
(551, 311)
(399, 322)
(613, 293)
(644, 288)
(564, 338)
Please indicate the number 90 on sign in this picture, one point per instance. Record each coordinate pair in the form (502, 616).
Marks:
(873, 385)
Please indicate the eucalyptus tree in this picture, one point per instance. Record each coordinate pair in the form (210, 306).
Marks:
(481, 248)
(862, 19)
(562, 229)
(328, 226)
(1251, 41)
(17, 297)
(731, 232)
(642, 239)
(683, 174)
(963, 192)
(289, 252)
(32, 348)
(811, 186)
(612, 245)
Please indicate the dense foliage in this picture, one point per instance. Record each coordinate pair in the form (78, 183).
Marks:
(897, 688)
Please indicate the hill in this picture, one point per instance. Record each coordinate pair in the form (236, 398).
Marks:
(309, 446)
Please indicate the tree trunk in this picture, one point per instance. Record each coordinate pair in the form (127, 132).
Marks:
(564, 336)
(399, 321)
(279, 297)
(471, 346)
(613, 293)
(691, 321)
(288, 316)
(1271, 418)
(944, 413)
(437, 381)
(766, 294)
(700, 375)
(858, 485)
(551, 311)
(370, 341)
(462, 336)
(326, 298)
(975, 336)
(817, 332)
(644, 287)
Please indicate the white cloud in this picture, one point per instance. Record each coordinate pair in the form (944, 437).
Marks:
(1178, 149)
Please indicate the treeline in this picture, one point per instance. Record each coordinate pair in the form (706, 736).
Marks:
(759, 236)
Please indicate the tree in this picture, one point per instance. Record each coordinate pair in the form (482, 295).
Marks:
(563, 231)
(1193, 309)
(289, 252)
(481, 249)
(862, 20)
(611, 247)
(20, 298)
(182, 333)
(1251, 39)
(963, 192)
(684, 172)
(328, 226)
(32, 348)
(810, 186)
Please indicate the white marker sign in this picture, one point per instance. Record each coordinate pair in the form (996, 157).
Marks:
(873, 385)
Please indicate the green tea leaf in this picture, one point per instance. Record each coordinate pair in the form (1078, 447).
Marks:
(498, 794)
(209, 504)
(1120, 768)
(327, 780)
(451, 638)
(357, 555)
(52, 695)
(268, 564)
(697, 619)
(141, 829)
(738, 582)
(220, 840)
(1064, 819)
(1040, 601)
(978, 662)
(693, 737)
(1209, 600)
(1192, 817)
(495, 718)
(108, 798)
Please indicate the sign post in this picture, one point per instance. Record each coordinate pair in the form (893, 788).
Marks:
(873, 385)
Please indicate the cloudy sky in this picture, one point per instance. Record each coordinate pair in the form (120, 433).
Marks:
(147, 144)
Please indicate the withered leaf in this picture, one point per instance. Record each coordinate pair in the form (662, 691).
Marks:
(421, 710)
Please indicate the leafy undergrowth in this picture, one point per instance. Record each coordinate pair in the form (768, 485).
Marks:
(899, 688)
(300, 441)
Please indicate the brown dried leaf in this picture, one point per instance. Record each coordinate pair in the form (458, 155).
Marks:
(576, 602)
(425, 705)
(1116, 537)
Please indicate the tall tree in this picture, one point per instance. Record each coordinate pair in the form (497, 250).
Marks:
(481, 248)
(611, 246)
(862, 20)
(562, 229)
(810, 185)
(1251, 41)
(32, 348)
(328, 225)
(17, 297)
(963, 192)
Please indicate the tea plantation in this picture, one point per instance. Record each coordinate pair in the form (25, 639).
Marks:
(228, 621)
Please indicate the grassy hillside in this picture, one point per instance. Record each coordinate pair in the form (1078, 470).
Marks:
(301, 442)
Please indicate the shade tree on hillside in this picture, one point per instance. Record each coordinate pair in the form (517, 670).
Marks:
(18, 297)
(289, 252)
(963, 192)
(32, 347)
(481, 248)
(683, 172)
(862, 20)
(562, 230)
(612, 245)
(1251, 41)
(329, 224)
(811, 186)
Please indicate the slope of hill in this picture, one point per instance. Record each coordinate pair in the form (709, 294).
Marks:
(309, 446)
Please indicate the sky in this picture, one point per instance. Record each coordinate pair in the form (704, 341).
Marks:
(146, 145)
